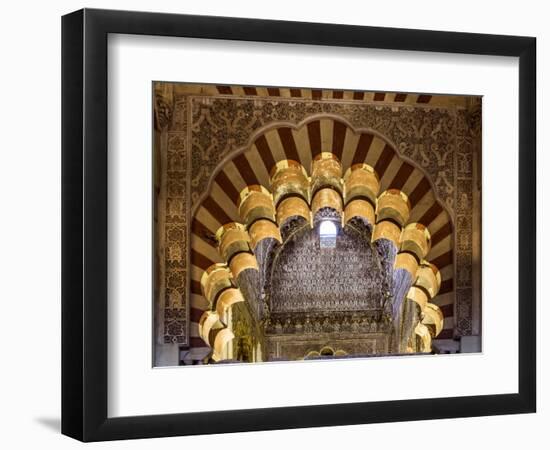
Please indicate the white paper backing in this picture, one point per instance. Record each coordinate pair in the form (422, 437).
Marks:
(135, 388)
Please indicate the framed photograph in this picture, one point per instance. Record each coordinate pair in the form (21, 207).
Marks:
(274, 225)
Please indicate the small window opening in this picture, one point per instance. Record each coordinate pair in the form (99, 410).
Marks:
(327, 234)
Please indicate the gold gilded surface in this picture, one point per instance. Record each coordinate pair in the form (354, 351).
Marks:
(418, 296)
(207, 322)
(387, 230)
(289, 178)
(433, 316)
(242, 261)
(393, 205)
(256, 202)
(326, 198)
(231, 226)
(291, 207)
(425, 338)
(360, 208)
(406, 261)
(416, 239)
(222, 338)
(225, 300)
(263, 229)
(233, 238)
(216, 278)
(429, 278)
(326, 171)
(361, 180)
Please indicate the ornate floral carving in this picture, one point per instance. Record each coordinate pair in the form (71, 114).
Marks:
(295, 348)
(306, 277)
(223, 125)
(468, 133)
(163, 105)
(175, 208)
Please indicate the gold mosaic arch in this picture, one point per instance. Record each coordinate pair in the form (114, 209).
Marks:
(248, 199)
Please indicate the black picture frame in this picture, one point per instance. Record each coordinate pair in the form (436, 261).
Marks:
(84, 224)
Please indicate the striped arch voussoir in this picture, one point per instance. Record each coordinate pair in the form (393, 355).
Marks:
(265, 190)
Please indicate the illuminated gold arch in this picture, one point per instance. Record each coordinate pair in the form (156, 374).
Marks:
(400, 195)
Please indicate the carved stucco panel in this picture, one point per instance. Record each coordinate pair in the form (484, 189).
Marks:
(223, 125)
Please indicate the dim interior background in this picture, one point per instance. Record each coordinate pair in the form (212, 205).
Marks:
(30, 229)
